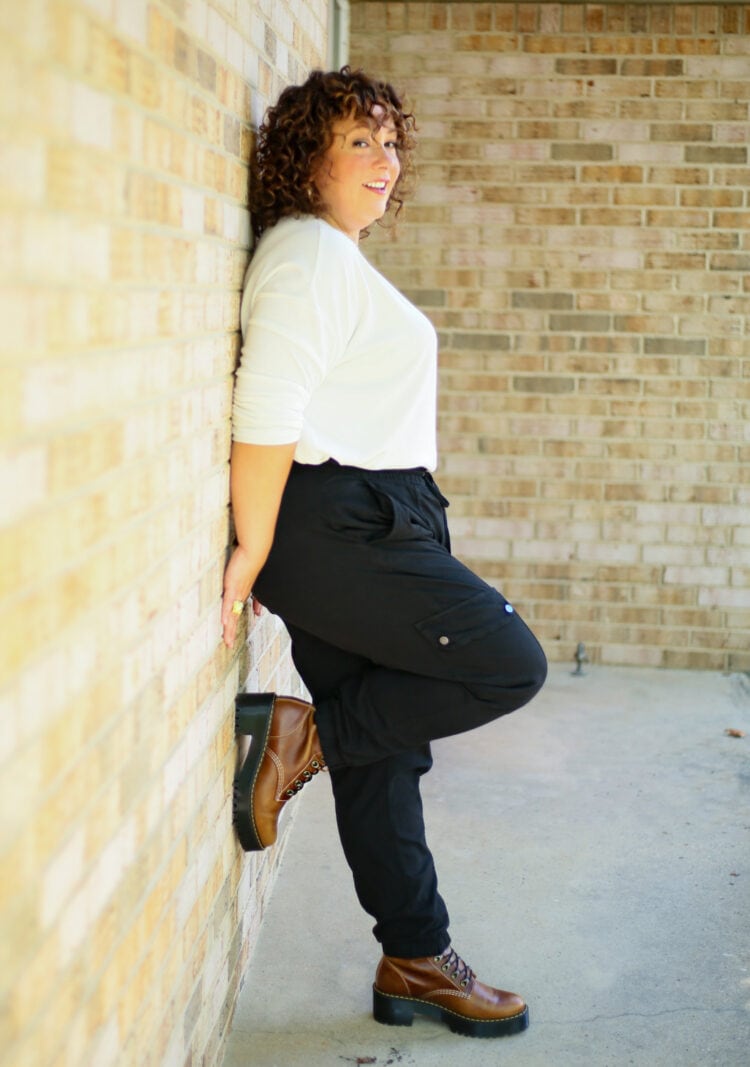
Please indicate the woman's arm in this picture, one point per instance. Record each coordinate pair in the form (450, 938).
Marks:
(258, 476)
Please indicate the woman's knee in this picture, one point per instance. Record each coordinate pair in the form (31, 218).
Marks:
(537, 667)
(519, 672)
(534, 667)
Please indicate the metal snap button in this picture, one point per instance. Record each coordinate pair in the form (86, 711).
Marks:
(444, 640)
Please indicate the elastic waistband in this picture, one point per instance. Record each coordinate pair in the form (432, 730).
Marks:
(399, 474)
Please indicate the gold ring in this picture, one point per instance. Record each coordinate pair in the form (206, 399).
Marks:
(238, 606)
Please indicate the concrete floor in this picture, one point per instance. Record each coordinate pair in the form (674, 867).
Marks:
(593, 851)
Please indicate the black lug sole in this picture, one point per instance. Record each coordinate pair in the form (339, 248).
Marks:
(400, 1011)
(252, 718)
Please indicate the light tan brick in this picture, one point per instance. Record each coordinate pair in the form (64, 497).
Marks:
(116, 162)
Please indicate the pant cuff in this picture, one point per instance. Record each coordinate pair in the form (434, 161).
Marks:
(415, 950)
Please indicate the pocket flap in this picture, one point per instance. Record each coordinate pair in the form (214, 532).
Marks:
(467, 621)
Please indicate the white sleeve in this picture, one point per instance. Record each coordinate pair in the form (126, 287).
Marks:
(294, 326)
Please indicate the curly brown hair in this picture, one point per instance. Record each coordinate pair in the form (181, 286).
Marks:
(296, 133)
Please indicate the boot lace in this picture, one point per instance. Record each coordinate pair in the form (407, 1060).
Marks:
(314, 767)
(452, 964)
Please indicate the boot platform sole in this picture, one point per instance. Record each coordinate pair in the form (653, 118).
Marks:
(394, 1010)
(252, 718)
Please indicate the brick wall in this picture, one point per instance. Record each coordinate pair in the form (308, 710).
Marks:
(126, 908)
(580, 240)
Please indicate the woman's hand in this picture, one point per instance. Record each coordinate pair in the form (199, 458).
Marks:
(238, 582)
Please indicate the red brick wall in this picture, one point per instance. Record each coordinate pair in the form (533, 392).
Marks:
(580, 239)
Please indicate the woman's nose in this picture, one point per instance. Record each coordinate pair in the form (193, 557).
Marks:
(386, 156)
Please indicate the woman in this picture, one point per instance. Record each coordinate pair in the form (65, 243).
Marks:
(342, 532)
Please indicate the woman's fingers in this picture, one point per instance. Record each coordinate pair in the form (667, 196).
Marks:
(229, 619)
(238, 581)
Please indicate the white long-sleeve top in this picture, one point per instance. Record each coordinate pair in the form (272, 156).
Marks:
(333, 356)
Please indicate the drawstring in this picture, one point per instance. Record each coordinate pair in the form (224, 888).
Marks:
(432, 485)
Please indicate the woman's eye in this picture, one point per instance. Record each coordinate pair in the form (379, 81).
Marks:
(362, 142)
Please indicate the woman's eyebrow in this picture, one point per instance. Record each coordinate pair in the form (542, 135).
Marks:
(373, 126)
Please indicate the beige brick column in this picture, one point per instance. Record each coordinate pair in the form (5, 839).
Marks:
(127, 908)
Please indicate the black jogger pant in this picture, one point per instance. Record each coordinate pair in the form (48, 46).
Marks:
(399, 643)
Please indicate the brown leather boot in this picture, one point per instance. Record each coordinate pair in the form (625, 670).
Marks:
(447, 989)
(283, 755)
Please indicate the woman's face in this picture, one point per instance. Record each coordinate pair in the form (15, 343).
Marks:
(358, 171)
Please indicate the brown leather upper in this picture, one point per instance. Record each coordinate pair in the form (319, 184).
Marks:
(291, 757)
(446, 981)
